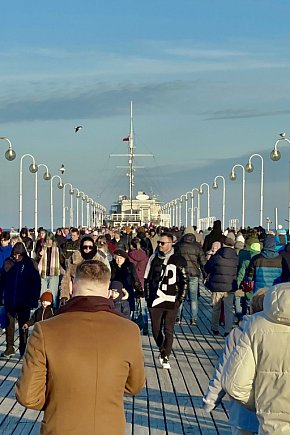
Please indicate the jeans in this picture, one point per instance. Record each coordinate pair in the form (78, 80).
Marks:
(144, 313)
(163, 321)
(228, 298)
(51, 283)
(192, 296)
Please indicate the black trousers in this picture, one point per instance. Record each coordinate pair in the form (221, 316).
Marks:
(163, 321)
(23, 315)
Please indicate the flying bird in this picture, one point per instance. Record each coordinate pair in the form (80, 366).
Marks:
(78, 127)
(283, 135)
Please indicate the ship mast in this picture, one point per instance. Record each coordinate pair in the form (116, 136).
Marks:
(131, 154)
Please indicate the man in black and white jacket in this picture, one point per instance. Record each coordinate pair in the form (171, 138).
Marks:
(166, 285)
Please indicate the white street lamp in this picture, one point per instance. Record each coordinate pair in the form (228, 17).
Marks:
(60, 186)
(249, 168)
(33, 168)
(46, 177)
(180, 211)
(10, 153)
(208, 199)
(186, 209)
(198, 206)
(215, 186)
(275, 156)
(233, 177)
(78, 196)
(71, 205)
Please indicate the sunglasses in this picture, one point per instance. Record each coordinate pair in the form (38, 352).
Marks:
(162, 243)
(88, 247)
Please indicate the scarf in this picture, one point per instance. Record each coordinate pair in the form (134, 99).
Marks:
(54, 269)
(89, 304)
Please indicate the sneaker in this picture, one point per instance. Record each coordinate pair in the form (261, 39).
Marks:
(8, 353)
(177, 320)
(166, 363)
(160, 357)
(193, 322)
(215, 332)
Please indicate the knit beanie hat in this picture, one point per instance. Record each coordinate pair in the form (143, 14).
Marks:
(229, 242)
(121, 253)
(255, 247)
(269, 242)
(189, 230)
(46, 296)
(240, 238)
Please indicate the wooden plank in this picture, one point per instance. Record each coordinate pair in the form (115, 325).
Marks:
(171, 402)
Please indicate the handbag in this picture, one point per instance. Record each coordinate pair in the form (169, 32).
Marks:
(138, 316)
(247, 286)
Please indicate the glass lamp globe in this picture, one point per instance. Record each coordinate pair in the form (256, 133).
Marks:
(275, 155)
(10, 154)
(71, 192)
(47, 176)
(233, 176)
(60, 185)
(214, 185)
(33, 168)
(249, 167)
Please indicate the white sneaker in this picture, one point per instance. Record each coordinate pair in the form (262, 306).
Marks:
(160, 359)
(166, 363)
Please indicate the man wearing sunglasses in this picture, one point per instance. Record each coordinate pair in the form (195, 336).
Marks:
(88, 251)
(165, 286)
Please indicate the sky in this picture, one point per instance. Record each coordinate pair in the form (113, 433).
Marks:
(210, 85)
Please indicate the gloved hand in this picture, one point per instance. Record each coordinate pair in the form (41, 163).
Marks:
(62, 302)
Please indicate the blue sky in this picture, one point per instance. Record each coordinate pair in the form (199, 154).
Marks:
(209, 82)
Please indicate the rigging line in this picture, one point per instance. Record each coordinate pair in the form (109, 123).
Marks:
(116, 182)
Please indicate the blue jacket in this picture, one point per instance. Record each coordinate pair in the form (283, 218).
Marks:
(265, 269)
(5, 252)
(20, 284)
(222, 269)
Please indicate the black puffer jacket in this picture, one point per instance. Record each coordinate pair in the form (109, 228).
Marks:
(193, 254)
(222, 268)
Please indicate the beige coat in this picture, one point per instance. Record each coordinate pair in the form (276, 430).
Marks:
(257, 372)
(77, 367)
(76, 258)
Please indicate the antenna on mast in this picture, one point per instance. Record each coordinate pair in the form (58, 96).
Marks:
(131, 168)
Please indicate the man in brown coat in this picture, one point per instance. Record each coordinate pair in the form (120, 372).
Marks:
(79, 364)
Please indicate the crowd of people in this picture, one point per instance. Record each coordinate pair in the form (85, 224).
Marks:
(148, 272)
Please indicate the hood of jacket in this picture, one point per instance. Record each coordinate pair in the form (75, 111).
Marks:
(227, 252)
(188, 238)
(137, 255)
(277, 303)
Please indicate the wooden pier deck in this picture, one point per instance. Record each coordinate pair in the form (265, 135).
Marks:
(171, 402)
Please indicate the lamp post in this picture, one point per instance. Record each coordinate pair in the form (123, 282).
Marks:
(60, 186)
(275, 156)
(78, 195)
(46, 177)
(33, 168)
(71, 205)
(176, 211)
(180, 209)
(233, 177)
(249, 168)
(208, 199)
(215, 186)
(198, 205)
(186, 209)
(10, 153)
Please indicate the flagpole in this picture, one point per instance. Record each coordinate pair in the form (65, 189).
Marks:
(131, 159)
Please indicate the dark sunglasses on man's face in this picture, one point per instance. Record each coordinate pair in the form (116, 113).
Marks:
(90, 247)
(162, 243)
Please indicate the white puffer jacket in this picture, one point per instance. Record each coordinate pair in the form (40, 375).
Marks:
(257, 373)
